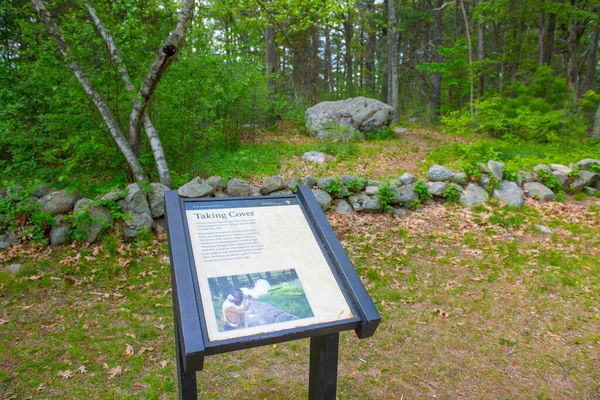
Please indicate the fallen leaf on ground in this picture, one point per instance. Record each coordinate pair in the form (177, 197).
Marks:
(3, 321)
(129, 350)
(82, 369)
(163, 363)
(66, 374)
(34, 277)
(115, 372)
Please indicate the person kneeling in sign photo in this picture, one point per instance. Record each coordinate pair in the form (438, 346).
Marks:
(234, 307)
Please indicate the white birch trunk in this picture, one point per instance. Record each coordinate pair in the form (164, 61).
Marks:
(109, 119)
(164, 56)
(155, 143)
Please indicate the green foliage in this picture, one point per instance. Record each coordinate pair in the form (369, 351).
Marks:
(472, 171)
(415, 203)
(385, 194)
(422, 191)
(494, 184)
(595, 167)
(550, 181)
(451, 193)
(536, 111)
(580, 196)
(356, 186)
(81, 222)
(511, 175)
(574, 173)
(515, 154)
(335, 188)
(386, 134)
(115, 209)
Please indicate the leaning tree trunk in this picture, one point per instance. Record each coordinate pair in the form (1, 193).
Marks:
(348, 25)
(155, 142)
(480, 55)
(86, 84)
(164, 57)
(271, 67)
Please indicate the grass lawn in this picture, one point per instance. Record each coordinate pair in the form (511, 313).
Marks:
(476, 304)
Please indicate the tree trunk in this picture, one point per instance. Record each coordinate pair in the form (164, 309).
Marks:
(271, 69)
(107, 115)
(590, 71)
(371, 42)
(480, 54)
(549, 39)
(348, 25)
(393, 98)
(596, 127)
(155, 142)
(541, 30)
(469, 43)
(164, 56)
(385, 55)
(436, 78)
(327, 73)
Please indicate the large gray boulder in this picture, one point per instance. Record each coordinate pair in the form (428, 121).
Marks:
(323, 198)
(196, 188)
(362, 202)
(60, 231)
(510, 194)
(314, 156)
(538, 191)
(136, 204)
(156, 199)
(309, 181)
(561, 168)
(272, 184)
(473, 194)
(100, 217)
(404, 195)
(238, 188)
(586, 163)
(438, 173)
(348, 119)
(58, 202)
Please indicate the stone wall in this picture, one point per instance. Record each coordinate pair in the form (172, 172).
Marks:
(140, 209)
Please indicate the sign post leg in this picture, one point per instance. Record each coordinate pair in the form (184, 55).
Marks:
(186, 380)
(322, 381)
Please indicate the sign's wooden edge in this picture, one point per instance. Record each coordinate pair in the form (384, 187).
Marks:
(353, 285)
(188, 310)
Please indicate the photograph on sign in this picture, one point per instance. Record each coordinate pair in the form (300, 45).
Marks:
(253, 245)
(249, 300)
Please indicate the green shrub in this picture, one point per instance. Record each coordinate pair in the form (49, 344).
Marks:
(451, 193)
(335, 188)
(356, 186)
(550, 181)
(385, 194)
(422, 191)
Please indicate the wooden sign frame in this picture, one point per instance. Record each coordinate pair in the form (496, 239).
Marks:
(192, 336)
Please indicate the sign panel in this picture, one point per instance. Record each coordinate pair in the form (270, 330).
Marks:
(260, 268)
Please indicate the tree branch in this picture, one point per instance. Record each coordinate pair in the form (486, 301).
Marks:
(165, 55)
(101, 105)
(155, 142)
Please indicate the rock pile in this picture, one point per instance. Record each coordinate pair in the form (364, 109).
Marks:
(88, 219)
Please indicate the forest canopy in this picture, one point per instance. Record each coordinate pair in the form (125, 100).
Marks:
(504, 68)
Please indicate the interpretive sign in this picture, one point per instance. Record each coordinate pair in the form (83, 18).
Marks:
(260, 245)
(259, 270)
